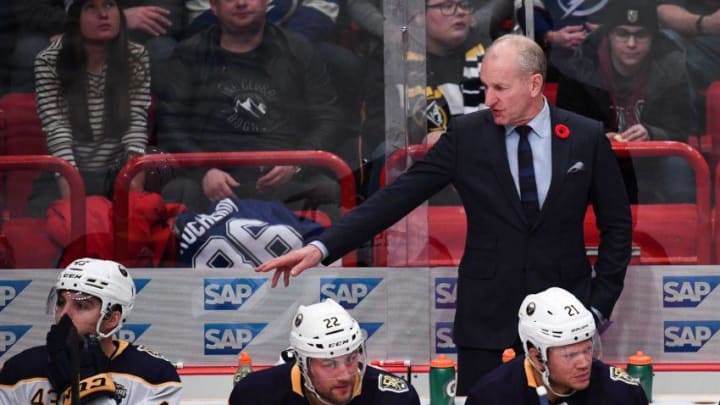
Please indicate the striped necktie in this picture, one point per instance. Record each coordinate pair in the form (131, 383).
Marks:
(526, 176)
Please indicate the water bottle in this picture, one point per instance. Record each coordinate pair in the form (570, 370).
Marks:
(640, 366)
(244, 367)
(442, 381)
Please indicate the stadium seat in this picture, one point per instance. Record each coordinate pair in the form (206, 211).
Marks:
(662, 233)
(222, 159)
(27, 237)
(709, 142)
(20, 134)
(550, 92)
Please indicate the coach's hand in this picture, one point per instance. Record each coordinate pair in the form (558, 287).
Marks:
(292, 263)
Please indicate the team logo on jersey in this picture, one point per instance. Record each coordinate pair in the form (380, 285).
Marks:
(11, 334)
(230, 338)
(348, 292)
(580, 8)
(229, 294)
(443, 338)
(688, 336)
(370, 328)
(131, 332)
(9, 290)
(390, 383)
(445, 292)
(618, 374)
(687, 291)
(436, 116)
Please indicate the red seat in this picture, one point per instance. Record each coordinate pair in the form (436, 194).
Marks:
(20, 134)
(222, 159)
(662, 233)
(550, 91)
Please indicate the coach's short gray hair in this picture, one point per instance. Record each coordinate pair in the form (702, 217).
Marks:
(530, 56)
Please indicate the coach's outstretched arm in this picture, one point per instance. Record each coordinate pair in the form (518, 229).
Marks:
(292, 263)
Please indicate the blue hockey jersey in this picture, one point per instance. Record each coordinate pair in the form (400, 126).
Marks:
(238, 232)
(512, 383)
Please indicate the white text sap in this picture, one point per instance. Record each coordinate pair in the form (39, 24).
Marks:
(695, 336)
(444, 338)
(224, 293)
(350, 293)
(7, 294)
(446, 293)
(693, 291)
(227, 338)
(7, 339)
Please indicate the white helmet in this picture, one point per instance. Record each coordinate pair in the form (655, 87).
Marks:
(106, 280)
(553, 318)
(322, 331)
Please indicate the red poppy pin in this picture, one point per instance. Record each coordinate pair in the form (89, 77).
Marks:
(562, 131)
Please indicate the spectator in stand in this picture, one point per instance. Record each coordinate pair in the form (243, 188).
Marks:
(93, 92)
(246, 85)
(633, 78)
(453, 88)
(561, 26)
(697, 24)
(316, 20)
(41, 22)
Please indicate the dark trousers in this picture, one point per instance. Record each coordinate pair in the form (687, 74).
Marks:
(474, 363)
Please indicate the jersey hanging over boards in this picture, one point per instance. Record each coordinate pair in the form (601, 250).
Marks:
(238, 232)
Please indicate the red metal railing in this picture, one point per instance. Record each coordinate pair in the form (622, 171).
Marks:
(77, 188)
(703, 253)
(225, 159)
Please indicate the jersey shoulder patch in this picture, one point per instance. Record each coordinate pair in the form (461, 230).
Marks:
(150, 351)
(391, 383)
(618, 374)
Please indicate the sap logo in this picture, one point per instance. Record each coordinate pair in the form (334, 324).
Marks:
(230, 338)
(230, 293)
(348, 292)
(9, 335)
(140, 283)
(370, 328)
(687, 291)
(131, 332)
(688, 336)
(445, 292)
(9, 290)
(443, 338)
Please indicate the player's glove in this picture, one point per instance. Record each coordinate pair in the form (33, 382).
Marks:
(72, 359)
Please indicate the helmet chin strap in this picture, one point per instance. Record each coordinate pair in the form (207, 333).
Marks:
(545, 373)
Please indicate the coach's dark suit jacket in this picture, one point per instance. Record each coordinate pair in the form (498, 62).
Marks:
(504, 259)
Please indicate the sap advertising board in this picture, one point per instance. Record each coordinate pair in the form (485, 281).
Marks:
(206, 317)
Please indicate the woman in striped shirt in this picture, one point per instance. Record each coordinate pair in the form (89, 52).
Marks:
(93, 91)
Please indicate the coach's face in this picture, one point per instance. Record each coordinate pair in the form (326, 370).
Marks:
(511, 94)
(240, 16)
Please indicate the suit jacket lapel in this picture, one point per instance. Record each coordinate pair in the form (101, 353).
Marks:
(498, 149)
(560, 158)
